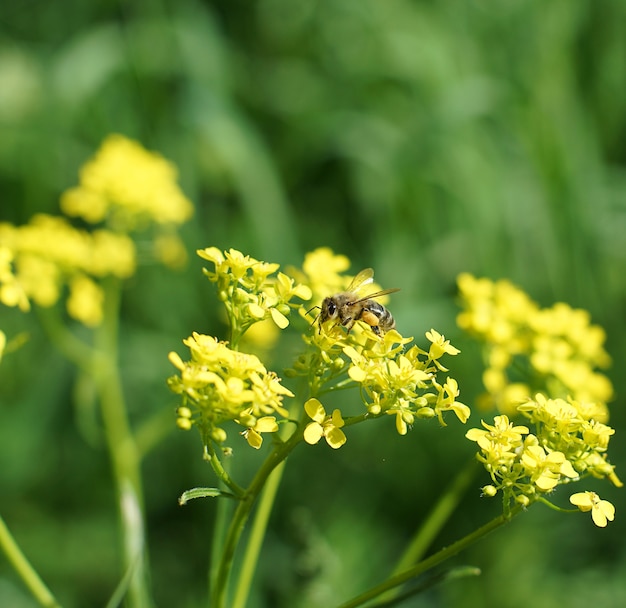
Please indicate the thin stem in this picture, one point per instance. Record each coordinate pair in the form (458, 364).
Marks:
(427, 583)
(100, 362)
(122, 447)
(432, 561)
(23, 567)
(220, 525)
(257, 534)
(436, 519)
(242, 512)
(220, 471)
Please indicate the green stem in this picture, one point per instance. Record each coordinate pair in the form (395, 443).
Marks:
(23, 567)
(436, 519)
(100, 362)
(220, 471)
(257, 534)
(123, 451)
(432, 561)
(278, 454)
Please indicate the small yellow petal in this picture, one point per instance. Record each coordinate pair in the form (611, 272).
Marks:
(313, 433)
(357, 374)
(599, 518)
(258, 312)
(315, 410)
(335, 438)
(582, 500)
(176, 361)
(267, 424)
(253, 438)
(337, 419)
(279, 318)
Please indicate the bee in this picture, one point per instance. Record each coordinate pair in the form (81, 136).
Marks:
(348, 306)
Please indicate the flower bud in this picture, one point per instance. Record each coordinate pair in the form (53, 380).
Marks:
(425, 412)
(183, 412)
(218, 435)
(183, 423)
(489, 491)
(283, 308)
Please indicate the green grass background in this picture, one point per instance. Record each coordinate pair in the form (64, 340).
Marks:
(420, 138)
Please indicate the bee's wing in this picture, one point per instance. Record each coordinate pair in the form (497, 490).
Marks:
(365, 277)
(378, 294)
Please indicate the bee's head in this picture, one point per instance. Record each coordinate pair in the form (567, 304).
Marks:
(329, 309)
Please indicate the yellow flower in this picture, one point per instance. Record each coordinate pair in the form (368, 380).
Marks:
(220, 384)
(439, 346)
(446, 401)
(127, 184)
(85, 301)
(11, 292)
(249, 290)
(502, 432)
(49, 253)
(170, 250)
(559, 343)
(602, 511)
(545, 469)
(322, 272)
(323, 425)
(266, 424)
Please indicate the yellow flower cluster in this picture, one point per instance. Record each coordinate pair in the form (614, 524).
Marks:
(219, 384)
(251, 290)
(127, 186)
(124, 186)
(404, 383)
(49, 253)
(11, 292)
(568, 444)
(559, 346)
(394, 379)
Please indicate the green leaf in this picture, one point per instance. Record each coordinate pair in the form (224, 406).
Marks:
(203, 493)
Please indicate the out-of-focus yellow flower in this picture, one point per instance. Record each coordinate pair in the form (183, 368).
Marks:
(85, 301)
(127, 185)
(170, 250)
(322, 272)
(50, 254)
(11, 291)
(559, 344)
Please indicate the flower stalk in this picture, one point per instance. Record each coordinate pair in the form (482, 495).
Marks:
(432, 561)
(24, 568)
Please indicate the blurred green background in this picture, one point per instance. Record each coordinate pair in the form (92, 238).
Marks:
(420, 138)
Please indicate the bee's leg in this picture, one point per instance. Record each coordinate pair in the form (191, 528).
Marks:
(371, 319)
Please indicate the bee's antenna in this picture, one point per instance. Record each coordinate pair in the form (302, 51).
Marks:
(317, 316)
(313, 308)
